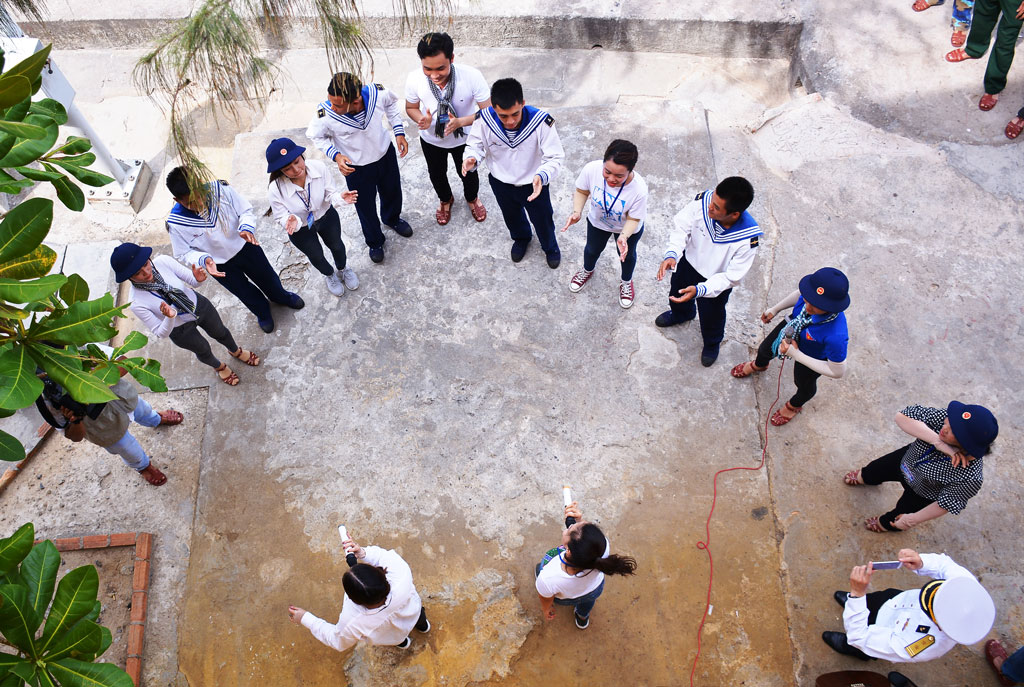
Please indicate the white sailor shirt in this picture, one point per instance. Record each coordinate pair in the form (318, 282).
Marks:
(146, 304)
(515, 157)
(357, 135)
(213, 234)
(723, 256)
(902, 631)
(317, 196)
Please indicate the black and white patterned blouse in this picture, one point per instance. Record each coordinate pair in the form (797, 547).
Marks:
(931, 474)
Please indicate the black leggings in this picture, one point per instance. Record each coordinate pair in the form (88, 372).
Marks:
(805, 378)
(307, 240)
(887, 469)
(437, 167)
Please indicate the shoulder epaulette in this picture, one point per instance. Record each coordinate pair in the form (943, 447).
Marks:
(478, 115)
(320, 112)
(699, 195)
(380, 87)
(755, 241)
(549, 120)
(222, 181)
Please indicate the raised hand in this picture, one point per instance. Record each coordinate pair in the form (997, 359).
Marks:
(468, 165)
(168, 311)
(666, 265)
(538, 186)
(198, 273)
(211, 267)
(291, 224)
(687, 293)
(344, 164)
(424, 122)
(574, 217)
(249, 237)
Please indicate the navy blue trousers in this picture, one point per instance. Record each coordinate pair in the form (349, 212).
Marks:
(249, 276)
(377, 177)
(711, 310)
(514, 209)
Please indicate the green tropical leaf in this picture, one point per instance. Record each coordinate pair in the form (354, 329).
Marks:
(25, 670)
(14, 548)
(11, 681)
(79, 160)
(67, 191)
(31, 66)
(24, 228)
(18, 111)
(145, 372)
(19, 386)
(108, 374)
(17, 619)
(71, 673)
(86, 176)
(66, 370)
(23, 129)
(6, 412)
(45, 679)
(74, 145)
(54, 110)
(25, 150)
(7, 661)
(14, 186)
(75, 597)
(106, 639)
(29, 266)
(11, 449)
(16, 291)
(133, 342)
(39, 573)
(13, 89)
(82, 322)
(94, 614)
(84, 639)
(75, 290)
(37, 174)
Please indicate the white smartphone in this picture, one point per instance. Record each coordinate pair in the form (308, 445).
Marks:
(886, 565)
(343, 533)
(567, 495)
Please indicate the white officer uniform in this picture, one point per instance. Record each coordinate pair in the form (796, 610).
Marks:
(213, 234)
(358, 135)
(317, 197)
(515, 157)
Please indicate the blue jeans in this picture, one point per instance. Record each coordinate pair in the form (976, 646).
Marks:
(128, 447)
(1013, 667)
(597, 239)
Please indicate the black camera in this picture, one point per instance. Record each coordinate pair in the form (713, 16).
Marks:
(56, 396)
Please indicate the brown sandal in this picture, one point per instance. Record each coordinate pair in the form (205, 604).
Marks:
(921, 5)
(993, 650)
(958, 39)
(987, 102)
(1014, 127)
(170, 417)
(778, 419)
(231, 379)
(739, 372)
(958, 55)
(478, 210)
(153, 475)
(252, 361)
(875, 525)
(853, 478)
(444, 213)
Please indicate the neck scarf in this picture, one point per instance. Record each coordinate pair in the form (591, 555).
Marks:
(445, 111)
(176, 298)
(800, 322)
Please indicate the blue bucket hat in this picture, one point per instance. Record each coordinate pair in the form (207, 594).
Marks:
(974, 427)
(127, 259)
(828, 289)
(281, 152)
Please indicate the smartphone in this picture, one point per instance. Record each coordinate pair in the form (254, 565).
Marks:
(567, 495)
(343, 533)
(886, 565)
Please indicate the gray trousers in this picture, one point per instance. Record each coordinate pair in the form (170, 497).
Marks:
(187, 335)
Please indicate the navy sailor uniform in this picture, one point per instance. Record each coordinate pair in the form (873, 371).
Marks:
(368, 145)
(514, 158)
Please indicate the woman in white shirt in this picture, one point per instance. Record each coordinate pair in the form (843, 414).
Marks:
(381, 604)
(618, 206)
(302, 198)
(162, 297)
(573, 573)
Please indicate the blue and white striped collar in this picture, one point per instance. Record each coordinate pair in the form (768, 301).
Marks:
(183, 217)
(369, 104)
(532, 119)
(744, 228)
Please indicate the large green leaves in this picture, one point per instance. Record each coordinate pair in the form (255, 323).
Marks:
(86, 638)
(14, 548)
(17, 291)
(71, 673)
(55, 111)
(81, 322)
(66, 369)
(14, 89)
(19, 386)
(67, 191)
(22, 129)
(10, 450)
(29, 266)
(80, 172)
(31, 66)
(39, 572)
(74, 290)
(25, 227)
(25, 150)
(145, 372)
(75, 597)
(133, 342)
(18, 622)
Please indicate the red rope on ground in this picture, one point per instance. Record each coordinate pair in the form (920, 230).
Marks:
(705, 545)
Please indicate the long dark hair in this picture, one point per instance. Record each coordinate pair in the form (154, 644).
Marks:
(622, 152)
(586, 548)
(366, 584)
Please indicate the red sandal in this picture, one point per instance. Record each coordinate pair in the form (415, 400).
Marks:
(994, 650)
(478, 210)
(958, 55)
(1014, 127)
(921, 5)
(444, 213)
(739, 371)
(853, 478)
(958, 39)
(170, 417)
(778, 419)
(875, 525)
(987, 102)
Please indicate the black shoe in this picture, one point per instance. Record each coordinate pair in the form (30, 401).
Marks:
(519, 250)
(581, 623)
(426, 626)
(841, 598)
(377, 255)
(666, 319)
(404, 644)
(296, 303)
(266, 325)
(554, 260)
(837, 642)
(402, 228)
(900, 680)
(708, 355)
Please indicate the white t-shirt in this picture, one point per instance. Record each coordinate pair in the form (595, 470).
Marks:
(553, 581)
(470, 89)
(609, 206)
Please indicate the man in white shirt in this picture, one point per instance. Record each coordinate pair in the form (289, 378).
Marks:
(347, 129)
(443, 101)
(523, 154)
(711, 249)
(916, 625)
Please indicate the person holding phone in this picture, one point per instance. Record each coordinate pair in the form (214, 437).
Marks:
(572, 574)
(939, 471)
(916, 625)
(381, 604)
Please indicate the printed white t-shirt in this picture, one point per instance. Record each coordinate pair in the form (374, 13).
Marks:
(553, 581)
(470, 89)
(609, 206)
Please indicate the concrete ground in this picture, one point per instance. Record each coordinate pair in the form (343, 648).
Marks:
(439, 408)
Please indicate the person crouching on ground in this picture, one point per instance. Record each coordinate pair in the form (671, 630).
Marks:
(573, 573)
(302, 198)
(814, 335)
(618, 206)
(381, 603)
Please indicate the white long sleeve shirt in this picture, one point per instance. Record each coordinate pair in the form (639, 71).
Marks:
(901, 621)
(146, 304)
(214, 234)
(316, 196)
(723, 256)
(387, 625)
(358, 136)
(515, 157)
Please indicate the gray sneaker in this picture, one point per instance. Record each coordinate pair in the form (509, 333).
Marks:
(334, 285)
(349, 277)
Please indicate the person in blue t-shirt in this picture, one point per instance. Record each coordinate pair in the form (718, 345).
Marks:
(814, 335)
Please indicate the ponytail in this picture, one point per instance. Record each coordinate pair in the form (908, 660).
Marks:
(616, 565)
(586, 548)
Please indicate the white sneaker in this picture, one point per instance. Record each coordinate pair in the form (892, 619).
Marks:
(626, 293)
(580, 279)
(349, 277)
(334, 285)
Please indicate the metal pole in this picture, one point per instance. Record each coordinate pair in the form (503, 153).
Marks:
(77, 120)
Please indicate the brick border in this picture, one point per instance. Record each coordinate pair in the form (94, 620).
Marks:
(143, 543)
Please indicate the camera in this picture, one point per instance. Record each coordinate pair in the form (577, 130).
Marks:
(56, 396)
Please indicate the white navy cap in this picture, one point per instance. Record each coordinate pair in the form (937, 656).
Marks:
(964, 610)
